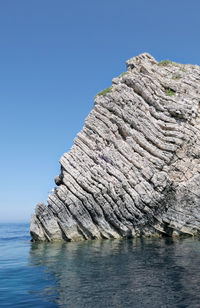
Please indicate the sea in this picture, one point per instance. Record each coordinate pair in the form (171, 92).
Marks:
(153, 273)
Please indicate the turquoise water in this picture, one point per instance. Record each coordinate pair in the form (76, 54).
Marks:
(119, 273)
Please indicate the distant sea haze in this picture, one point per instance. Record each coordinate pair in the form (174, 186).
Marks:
(110, 273)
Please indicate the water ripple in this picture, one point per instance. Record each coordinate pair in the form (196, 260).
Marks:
(111, 273)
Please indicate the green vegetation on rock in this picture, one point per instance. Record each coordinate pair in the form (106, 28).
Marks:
(170, 92)
(182, 70)
(176, 76)
(105, 91)
(122, 74)
(165, 63)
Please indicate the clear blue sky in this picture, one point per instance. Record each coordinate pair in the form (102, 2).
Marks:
(55, 55)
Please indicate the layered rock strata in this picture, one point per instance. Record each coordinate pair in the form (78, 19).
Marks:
(134, 169)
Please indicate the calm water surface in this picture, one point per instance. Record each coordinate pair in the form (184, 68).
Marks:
(119, 273)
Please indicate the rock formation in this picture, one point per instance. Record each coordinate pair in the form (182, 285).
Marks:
(134, 169)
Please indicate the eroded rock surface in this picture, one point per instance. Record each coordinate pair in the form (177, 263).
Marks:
(134, 168)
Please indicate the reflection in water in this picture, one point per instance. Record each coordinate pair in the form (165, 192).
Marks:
(120, 273)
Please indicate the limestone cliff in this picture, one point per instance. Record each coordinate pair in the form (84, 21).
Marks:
(134, 169)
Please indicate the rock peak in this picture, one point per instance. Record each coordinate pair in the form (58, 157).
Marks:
(141, 59)
(134, 169)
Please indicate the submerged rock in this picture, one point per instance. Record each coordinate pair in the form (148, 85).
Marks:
(134, 169)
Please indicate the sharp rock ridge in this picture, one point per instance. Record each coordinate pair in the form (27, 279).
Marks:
(134, 169)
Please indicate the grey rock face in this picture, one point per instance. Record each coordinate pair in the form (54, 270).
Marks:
(134, 169)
